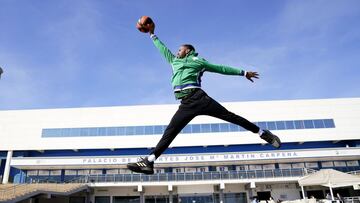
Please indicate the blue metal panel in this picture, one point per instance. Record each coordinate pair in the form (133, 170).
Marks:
(184, 150)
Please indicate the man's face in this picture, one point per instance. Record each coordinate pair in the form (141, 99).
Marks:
(182, 52)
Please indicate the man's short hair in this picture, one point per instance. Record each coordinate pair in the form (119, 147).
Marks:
(189, 46)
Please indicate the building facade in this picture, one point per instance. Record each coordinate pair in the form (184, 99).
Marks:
(210, 161)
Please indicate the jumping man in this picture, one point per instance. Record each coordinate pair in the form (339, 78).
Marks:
(187, 71)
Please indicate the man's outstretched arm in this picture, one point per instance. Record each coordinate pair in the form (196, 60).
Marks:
(161, 46)
(227, 70)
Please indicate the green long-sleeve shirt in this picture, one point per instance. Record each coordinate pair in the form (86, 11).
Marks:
(187, 71)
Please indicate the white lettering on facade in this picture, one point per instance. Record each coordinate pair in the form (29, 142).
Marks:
(186, 158)
(190, 158)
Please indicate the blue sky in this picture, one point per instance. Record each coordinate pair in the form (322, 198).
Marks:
(87, 53)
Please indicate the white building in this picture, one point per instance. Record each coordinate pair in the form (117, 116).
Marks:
(211, 160)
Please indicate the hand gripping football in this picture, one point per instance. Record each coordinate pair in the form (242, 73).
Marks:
(144, 23)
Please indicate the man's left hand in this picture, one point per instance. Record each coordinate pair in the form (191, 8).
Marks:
(249, 75)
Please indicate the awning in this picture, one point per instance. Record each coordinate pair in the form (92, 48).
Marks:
(329, 178)
(333, 177)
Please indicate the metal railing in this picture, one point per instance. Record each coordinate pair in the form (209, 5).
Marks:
(13, 191)
(352, 199)
(194, 176)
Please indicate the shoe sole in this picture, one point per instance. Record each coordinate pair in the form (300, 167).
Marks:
(276, 139)
(137, 170)
(277, 142)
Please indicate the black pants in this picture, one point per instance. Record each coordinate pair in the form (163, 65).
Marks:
(195, 104)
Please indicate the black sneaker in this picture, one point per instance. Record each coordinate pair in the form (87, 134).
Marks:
(142, 166)
(271, 138)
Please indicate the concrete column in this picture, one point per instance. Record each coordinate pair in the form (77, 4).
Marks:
(170, 189)
(250, 195)
(221, 192)
(171, 197)
(303, 192)
(252, 185)
(141, 191)
(331, 192)
(221, 195)
(142, 197)
(7, 167)
(140, 188)
(87, 198)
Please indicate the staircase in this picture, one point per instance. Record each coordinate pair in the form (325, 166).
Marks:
(13, 193)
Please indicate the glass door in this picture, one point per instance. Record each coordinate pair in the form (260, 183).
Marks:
(102, 199)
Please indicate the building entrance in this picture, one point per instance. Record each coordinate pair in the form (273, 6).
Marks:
(263, 195)
(127, 199)
(77, 200)
(157, 199)
(318, 194)
(196, 198)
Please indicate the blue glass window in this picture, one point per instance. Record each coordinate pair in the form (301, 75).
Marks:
(280, 125)
(75, 132)
(262, 125)
(319, 123)
(139, 130)
(65, 132)
(271, 125)
(158, 129)
(51, 133)
(190, 128)
(308, 124)
(329, 123)
(187, 129)
(299, 124)
(215, 127)
(233, 127)
(289, 125)
(111, 131)
(102, 131)
(121, 131)
(149, 130)
(84, 132)
(224, 127)
(130, 130)
(58, 131)
(205, 128)
(241, 128)
(45, 133)
(93, 131)
(196, 128)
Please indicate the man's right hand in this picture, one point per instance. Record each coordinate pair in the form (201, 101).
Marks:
(151, 28)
